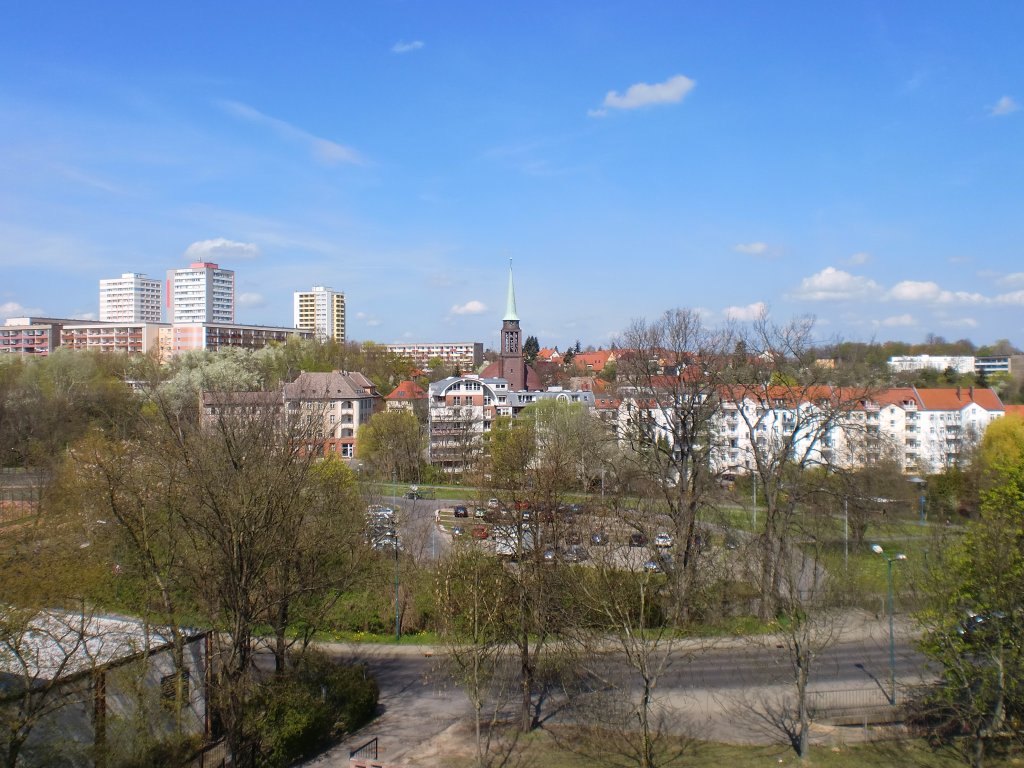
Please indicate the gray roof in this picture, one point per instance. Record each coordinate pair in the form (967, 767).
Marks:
(336, 385)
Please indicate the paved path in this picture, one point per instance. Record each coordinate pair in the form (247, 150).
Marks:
(425, 716)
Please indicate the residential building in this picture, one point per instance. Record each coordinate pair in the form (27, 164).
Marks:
(344, 400)
(130, 298)
(34, 335)
(467, 356)
(998, 364)
(960, 364)
(461, 409)
(924, 430)
(321, 310)
(593, 362)
(201, 293)
(128, 337)
(407, 396)
(182, 337)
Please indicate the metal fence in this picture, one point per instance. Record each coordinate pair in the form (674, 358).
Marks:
(853, 704)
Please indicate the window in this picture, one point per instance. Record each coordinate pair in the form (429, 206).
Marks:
(168, 689)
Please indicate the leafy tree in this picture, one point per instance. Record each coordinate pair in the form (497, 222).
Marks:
(973, 618)
(392, 444)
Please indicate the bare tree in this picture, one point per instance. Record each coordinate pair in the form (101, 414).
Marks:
(630, 603)
(670, 375)
(472, 590)
(793, 418)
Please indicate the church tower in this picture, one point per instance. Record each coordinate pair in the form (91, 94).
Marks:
(513, 368)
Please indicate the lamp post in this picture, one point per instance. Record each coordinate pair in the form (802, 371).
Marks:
(877, 549)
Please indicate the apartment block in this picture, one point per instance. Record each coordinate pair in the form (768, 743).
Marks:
(33, 335)
(321, 310)
(130, 298)
(129, 338)
(182, 337)
(201, 293)
(465, 355)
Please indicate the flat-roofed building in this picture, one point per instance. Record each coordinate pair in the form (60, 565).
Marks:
(465, 355)
(321, 310)
(131, 338)
(201, 293)
(182, 337)
(33, 335)
(130, 298)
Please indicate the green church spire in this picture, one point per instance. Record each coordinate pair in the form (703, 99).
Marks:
(510, 304)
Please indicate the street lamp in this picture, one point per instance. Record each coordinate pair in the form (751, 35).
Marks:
(877, 549)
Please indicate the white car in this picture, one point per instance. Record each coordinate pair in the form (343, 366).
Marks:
(663, 540)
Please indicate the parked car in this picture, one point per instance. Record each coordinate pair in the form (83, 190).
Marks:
(637, 540)
(458, 530)
(480, 513)
(461, 511)
(493, 503)
(599, 539)
(663, 540)
(551, 554)
(575, 553)
(415, 492)
(479, 532)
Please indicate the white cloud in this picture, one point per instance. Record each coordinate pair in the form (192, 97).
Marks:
(930, 292)
(221, 248)
(899, 321)
(324, 150)
(751, 249)
(833, 284)
(85, 316)
(747, 313)
(14, 309)
(473, 307)
(639, 95)
(403, 47)
(251, 300)
(1017, 278)
(1004, 106)
(367, 320)
(859, 258)
(1016, 297)
(960, 322)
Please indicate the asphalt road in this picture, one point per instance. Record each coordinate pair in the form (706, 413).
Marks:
(420, 700)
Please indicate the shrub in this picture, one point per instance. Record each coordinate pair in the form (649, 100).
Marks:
(317, 700)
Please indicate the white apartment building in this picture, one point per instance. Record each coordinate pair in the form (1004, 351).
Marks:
(130, 298)
(960, 364)
(201, 293)
(462, 408)
(925, 430)
(321, 310)
(467, 355)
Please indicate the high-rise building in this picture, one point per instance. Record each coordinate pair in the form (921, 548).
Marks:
(201, 293)
(321, 310)
(130, 298)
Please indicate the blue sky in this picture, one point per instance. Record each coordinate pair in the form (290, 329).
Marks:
(863, 163)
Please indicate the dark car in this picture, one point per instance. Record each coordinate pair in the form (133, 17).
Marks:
(599, 539)
(461, 511)
(637, 540)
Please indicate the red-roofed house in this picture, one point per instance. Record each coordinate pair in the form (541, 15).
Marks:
(406, 397)
(550, 355)
(593, 362)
